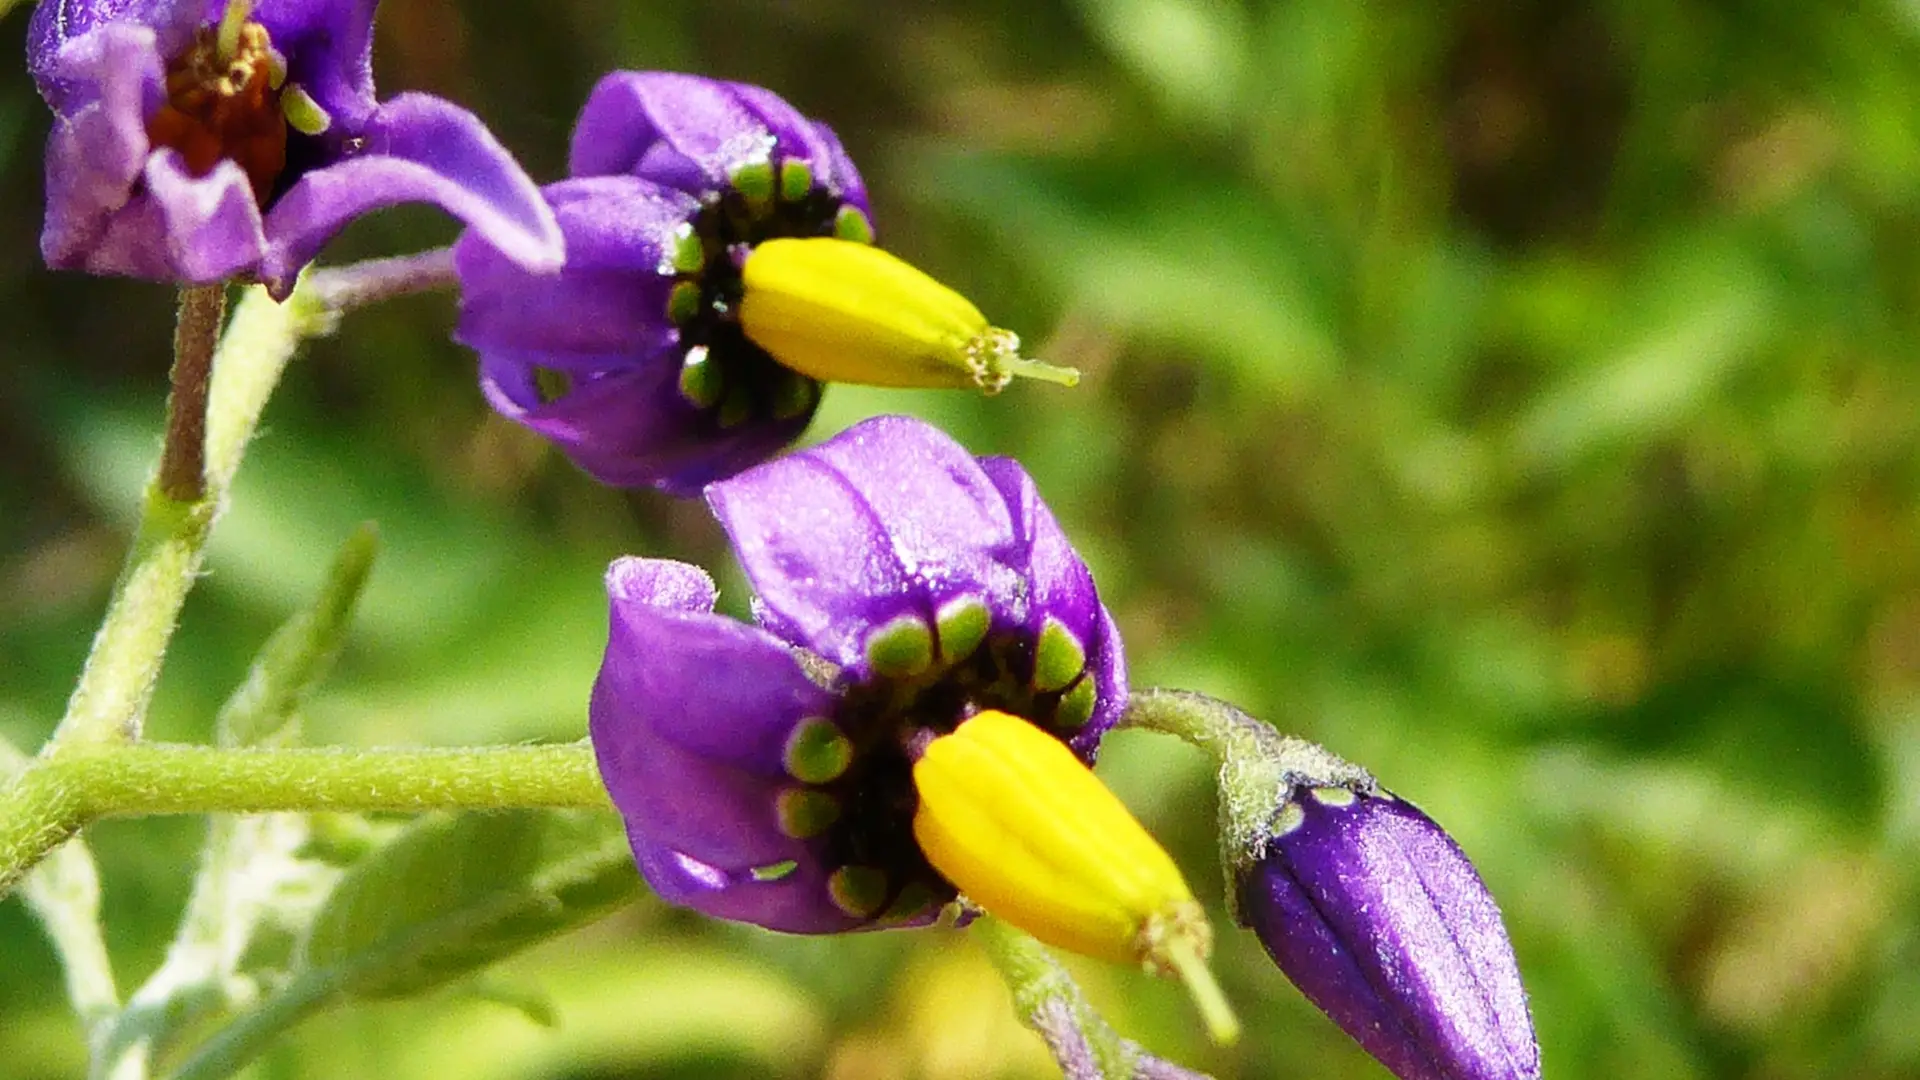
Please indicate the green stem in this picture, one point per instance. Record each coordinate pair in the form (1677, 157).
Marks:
(61, 793)
(109, 703)
(344, 288)
(248, 1035)
(1260, 769)
(1050, 1002)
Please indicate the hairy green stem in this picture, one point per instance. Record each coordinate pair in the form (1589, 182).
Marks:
(109, 704)
(183, 458)
(1047, 1000)
(60, 794)
(1259, 768)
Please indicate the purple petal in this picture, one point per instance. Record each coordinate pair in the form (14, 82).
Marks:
(1063, 589)
(418, 149)
(887, 518)
(672, 797)
(329, 49)
(610, 299)
(689, 721)
(683, 131)
(212, 222)
(719, 688)
(797, 903)
(627, 424)
(167, 26)
(660, 583)
(799, 137)
(691, 133)
(1378, 917)
(98, 151)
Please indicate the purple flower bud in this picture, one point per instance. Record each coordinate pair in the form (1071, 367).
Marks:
(200, 140)
(632, 360)
(1376, 914)
(765, 772)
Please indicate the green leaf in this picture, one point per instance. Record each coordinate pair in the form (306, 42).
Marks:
(454, 893)
(301, 651)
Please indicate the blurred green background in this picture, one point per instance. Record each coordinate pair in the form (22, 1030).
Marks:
(1518, 397)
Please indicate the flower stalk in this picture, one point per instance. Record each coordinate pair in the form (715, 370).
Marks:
(1049, 1002)
(109, 704)
(183, 459)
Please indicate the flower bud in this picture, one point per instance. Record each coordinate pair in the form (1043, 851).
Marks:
(1026, 831)
(1376, 914)
(841, 311)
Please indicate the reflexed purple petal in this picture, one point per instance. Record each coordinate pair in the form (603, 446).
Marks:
(628, 425)
(418, 149)
(1378, 917)
(69, 82)
(689, 721)
(683, 131)
(610, 298)
(1063, 589)
(719, 688)
(796, 904)
(691, 133)
(673, 797)
(212, 222)
(888, 517)
(660, 583)
(98, 151)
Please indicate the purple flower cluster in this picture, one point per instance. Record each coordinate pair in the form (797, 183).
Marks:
(201, 140)
(632, 360)
(764, 772)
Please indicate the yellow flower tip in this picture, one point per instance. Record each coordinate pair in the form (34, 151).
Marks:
(1026, 831)
(843, 311)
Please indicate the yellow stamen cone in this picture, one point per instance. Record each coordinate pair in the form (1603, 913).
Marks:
(841, 311)
(1028, 833)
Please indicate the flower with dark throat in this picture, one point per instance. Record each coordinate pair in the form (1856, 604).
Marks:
(911, 720)
(901, 587)
(719, 270)
(201, 140)
(1376, 914)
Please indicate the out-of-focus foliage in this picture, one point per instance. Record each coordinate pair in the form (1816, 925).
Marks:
(1521, 398)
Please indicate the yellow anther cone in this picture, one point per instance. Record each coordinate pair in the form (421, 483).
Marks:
(841, 311)
(1028, 833)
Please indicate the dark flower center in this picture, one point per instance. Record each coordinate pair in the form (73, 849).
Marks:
(224, 104)
(888, 721)
(722, 371)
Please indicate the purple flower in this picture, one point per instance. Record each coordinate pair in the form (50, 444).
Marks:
(1376, 914)
(632, 360)
(199, 140)
(765, 771)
